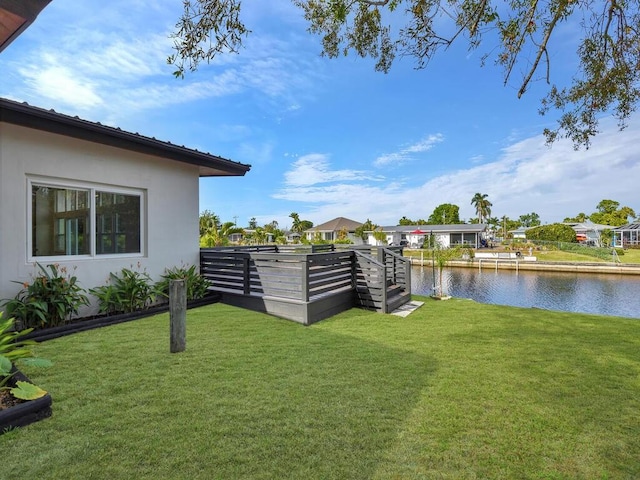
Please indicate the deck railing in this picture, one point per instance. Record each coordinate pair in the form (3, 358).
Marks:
(289, 275)
(295, 273)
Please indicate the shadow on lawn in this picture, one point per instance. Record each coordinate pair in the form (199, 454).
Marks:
(251, 397)
(325, 405)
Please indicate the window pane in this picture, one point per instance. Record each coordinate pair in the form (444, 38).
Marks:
(117, 223)
(60, 220)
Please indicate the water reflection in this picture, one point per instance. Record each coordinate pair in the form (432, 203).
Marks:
(572, 292)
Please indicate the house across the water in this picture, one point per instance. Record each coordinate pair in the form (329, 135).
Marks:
(413, 236)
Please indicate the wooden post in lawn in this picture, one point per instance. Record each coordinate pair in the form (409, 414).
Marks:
(178, 315)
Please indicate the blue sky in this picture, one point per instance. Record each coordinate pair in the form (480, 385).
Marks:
(325, 138)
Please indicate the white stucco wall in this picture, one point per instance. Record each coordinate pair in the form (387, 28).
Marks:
(170, 213)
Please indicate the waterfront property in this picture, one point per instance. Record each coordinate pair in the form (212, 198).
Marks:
(473, 235)
(95, 199)
(627, 235)
(308, 283)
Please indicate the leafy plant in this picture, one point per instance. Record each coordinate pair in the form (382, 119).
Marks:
(129, 291)
(197, 285)
(441, 257)
(49, 300)
(13, 349)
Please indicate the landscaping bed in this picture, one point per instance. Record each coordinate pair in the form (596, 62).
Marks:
(97, 321)
(20, 413)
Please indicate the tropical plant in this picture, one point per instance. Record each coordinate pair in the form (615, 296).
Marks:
(441, 257)
(362, 230)
(208, 221)
(197, 286)
(13, 349)
(298, 225)
(343, 237)
(129, 291)
(380, 236)
(219, 235)
(482, 206)
(50, 299)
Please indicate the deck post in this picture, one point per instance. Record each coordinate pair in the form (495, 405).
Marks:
(305, 278)
(246, 275)
(178, 315)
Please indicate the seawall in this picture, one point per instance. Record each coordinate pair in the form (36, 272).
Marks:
(509, 264)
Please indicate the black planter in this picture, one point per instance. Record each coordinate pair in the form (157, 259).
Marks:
(80, 325)
(25, 413)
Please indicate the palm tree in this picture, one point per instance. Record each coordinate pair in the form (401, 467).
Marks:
(208, 221)
(441, 258)
(296, 224)
(482, 205)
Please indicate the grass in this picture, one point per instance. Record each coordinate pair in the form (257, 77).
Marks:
(631, 256)
(457, 390)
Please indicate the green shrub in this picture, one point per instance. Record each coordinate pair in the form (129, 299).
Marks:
(555, 232)
(13, 349)
(197, 285)
(49, 300)
(128, 291)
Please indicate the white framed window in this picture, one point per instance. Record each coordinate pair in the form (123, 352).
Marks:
(84, 220)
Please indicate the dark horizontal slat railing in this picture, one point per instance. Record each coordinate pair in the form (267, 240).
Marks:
(276, 271)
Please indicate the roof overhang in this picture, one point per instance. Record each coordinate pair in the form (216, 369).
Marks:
(50, 121)
(16, 16)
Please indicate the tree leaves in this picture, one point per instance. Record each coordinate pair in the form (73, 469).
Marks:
(518, 33)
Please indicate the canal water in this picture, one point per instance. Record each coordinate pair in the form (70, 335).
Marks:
(603, 294)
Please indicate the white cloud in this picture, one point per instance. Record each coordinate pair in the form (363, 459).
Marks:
(314, 169)
(117, 67)
(60, 82)
(527, 177)
(405, 154)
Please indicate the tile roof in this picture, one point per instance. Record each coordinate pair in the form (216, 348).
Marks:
(336, 225)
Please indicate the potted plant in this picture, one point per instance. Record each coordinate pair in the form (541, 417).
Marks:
(21, 402)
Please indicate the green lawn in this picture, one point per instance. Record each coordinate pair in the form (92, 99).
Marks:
(457, 390)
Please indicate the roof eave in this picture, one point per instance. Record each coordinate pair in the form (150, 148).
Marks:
(19, 14)
(50, 121)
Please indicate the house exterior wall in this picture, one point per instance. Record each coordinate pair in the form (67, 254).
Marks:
(170, 211)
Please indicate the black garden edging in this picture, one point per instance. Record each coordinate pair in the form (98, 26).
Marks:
(80, 325)
(25, 413)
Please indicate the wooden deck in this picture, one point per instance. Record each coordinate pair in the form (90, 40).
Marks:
(308, 283)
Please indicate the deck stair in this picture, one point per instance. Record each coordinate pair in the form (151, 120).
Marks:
(383, 283)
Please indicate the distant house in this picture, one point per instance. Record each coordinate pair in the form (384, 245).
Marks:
(519, 233)
(587, 232)
(329, 231)
(94, 198)
(446, 235)
(626, 235)
(292, 237)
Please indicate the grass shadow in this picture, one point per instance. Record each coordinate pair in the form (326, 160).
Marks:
(250, 398)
